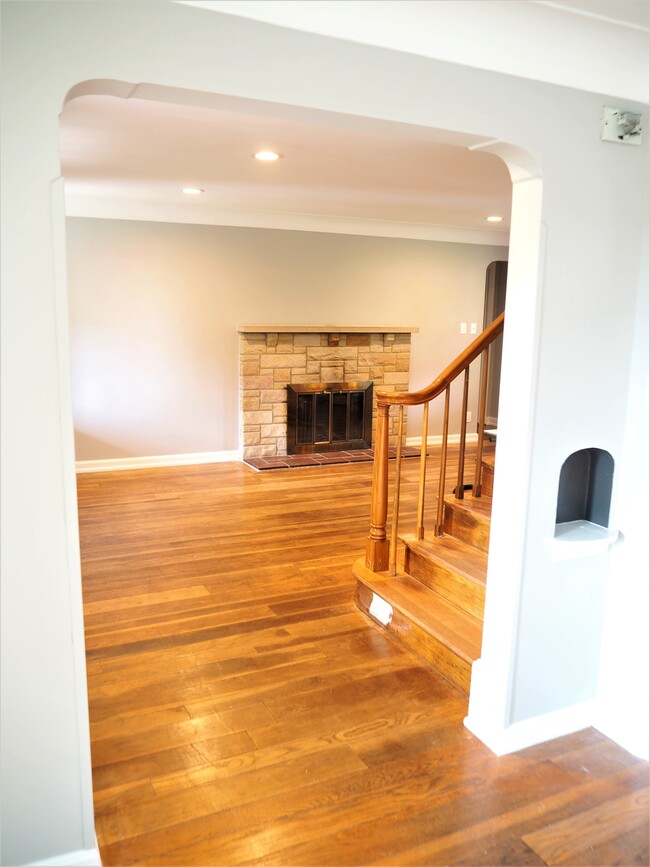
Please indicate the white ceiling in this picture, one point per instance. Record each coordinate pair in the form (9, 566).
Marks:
(131, 157)
(127, 158)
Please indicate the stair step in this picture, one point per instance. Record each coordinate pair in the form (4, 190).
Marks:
(487, 476)
(452, 568)
(468, 520)
(443, 635)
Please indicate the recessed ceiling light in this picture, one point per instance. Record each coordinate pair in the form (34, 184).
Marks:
(267, 156)
(494, 219)
(192, 191)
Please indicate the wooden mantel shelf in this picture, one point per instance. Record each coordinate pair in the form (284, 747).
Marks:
(325, 329)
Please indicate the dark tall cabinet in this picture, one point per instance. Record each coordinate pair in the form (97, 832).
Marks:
(496, 277)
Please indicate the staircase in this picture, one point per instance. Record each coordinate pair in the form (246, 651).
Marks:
(434, 605)
(437, 600)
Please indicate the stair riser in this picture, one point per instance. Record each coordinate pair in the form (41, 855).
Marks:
(454, 669)
(487, 480)
(466, 527)
(467, 595)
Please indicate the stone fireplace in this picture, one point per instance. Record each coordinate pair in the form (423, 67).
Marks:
(273, 357)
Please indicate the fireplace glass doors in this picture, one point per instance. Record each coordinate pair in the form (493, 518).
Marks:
(332, 416)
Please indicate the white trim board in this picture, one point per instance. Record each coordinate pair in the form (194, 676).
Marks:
(109, 465)
(80, 858)
(437, 440)
(115, 208)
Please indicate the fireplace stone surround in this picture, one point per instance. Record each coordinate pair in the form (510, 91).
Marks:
(272, 357)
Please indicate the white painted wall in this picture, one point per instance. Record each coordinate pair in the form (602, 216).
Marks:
(571, 392)
(154, 310)
(590, 51)
(622, 699)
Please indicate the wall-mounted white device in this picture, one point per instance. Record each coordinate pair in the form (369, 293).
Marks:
(621, 126)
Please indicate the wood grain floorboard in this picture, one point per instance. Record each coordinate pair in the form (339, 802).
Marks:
(243, 711)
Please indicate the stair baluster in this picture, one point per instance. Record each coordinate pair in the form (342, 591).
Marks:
(443, 465)
(423, 471)
(478, 476)
(460, 483)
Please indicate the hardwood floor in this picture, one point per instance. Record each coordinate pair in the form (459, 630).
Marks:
(243, 711)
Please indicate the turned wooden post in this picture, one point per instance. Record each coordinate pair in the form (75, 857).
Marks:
(377, 544)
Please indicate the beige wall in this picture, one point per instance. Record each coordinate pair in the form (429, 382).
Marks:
(154, 310)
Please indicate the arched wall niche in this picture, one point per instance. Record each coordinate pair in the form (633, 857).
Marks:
(585, 487)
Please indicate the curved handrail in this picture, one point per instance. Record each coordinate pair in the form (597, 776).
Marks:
(449, 374)
(377, 543)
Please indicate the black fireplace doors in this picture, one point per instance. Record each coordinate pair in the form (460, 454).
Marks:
(329, 416)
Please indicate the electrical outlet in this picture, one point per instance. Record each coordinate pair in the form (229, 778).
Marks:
(463, 327)
(469, 415)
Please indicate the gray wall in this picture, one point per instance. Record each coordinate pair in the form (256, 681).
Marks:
(154, 310)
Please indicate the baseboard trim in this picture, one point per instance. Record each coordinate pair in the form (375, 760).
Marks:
(110, 465)
(533, 731)
(437, 440)
(80, 858)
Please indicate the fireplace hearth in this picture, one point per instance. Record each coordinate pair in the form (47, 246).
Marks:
(328, 416)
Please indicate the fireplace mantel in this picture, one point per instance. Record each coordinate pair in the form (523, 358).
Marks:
(326, 329)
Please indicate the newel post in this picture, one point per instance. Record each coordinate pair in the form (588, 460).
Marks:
(377, 544)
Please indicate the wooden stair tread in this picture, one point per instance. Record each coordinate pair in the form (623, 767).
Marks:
(479, 508)
(459, 631)
(468, 561)
(488, 461)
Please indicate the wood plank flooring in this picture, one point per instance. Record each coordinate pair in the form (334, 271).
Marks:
(244, 712)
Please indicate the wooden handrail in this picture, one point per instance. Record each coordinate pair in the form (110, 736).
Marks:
(448, 375)
(380, 551)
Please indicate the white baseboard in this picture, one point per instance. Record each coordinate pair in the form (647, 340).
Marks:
(109, 465)
(437, 440)
(533, 731)
(80, 858)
